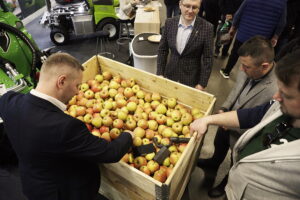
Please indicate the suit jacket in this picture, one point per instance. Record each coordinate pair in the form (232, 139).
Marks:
(186, 67)
(57, 155)
(261, 93)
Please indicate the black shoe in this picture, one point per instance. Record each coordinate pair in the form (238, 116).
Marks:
(224, 74)
(216, 192)
(219, 190)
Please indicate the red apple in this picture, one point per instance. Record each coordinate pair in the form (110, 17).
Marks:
(104, 129)
(96, 132)
(117, 78)
(182, 146)
(174, 157)
(186, 119)
(107, 75)
(155, 96)
(125, 158)
(131, 124)
(118, 123)
(80, 111)
(161, 119)
(104, 93)
(107, 121)
(152, 166)
(89, 94)
(149, 134)
(177, 127)
(145, 170)
(128, 92)
(114, 133)
(140, 161)
(160, 175)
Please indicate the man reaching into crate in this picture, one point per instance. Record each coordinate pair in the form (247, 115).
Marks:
(256, 84)
(58, 157)
(266, 158)
(190, 40)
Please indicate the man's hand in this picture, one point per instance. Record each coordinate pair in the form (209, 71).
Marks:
(199, 126)
(220, 111)
(232, 32)
(199, 87)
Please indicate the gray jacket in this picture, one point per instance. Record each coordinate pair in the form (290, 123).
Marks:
(261, 93)
(269, 174)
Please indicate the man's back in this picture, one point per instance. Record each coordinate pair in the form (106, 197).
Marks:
(57, 155)
(260, 18)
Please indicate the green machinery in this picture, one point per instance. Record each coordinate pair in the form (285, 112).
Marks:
(20, 58)
(80, 17)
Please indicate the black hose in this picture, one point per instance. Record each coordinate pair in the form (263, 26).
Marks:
(35, 51)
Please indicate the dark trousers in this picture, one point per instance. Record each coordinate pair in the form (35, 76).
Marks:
(218, 35)
(233, 56)
(172, 10)
(222, 145)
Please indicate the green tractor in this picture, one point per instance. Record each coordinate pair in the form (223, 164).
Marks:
(80, 17)
(20, 58)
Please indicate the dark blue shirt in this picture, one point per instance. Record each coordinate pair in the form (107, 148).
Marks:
(249, 117)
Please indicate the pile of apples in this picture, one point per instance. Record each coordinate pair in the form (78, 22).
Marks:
(109, 105)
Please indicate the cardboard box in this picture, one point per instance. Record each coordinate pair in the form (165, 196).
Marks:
(120, 180)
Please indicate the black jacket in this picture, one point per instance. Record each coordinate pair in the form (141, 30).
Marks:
(57, 155)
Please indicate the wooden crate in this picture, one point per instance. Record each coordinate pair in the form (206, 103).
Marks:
(121, 181)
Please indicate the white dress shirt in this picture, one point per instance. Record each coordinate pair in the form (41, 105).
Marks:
(52, 100)
(183, 34)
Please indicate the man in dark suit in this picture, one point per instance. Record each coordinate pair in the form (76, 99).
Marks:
(255, 85)
(190, 40)
(58, 156)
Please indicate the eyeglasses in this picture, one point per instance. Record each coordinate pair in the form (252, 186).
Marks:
(194, 8)
(280, 130)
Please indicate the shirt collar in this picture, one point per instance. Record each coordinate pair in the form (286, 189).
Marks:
(180, 24)
(52, 100)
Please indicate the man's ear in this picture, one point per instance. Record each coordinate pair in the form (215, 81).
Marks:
(61, 81)
(265, 65)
